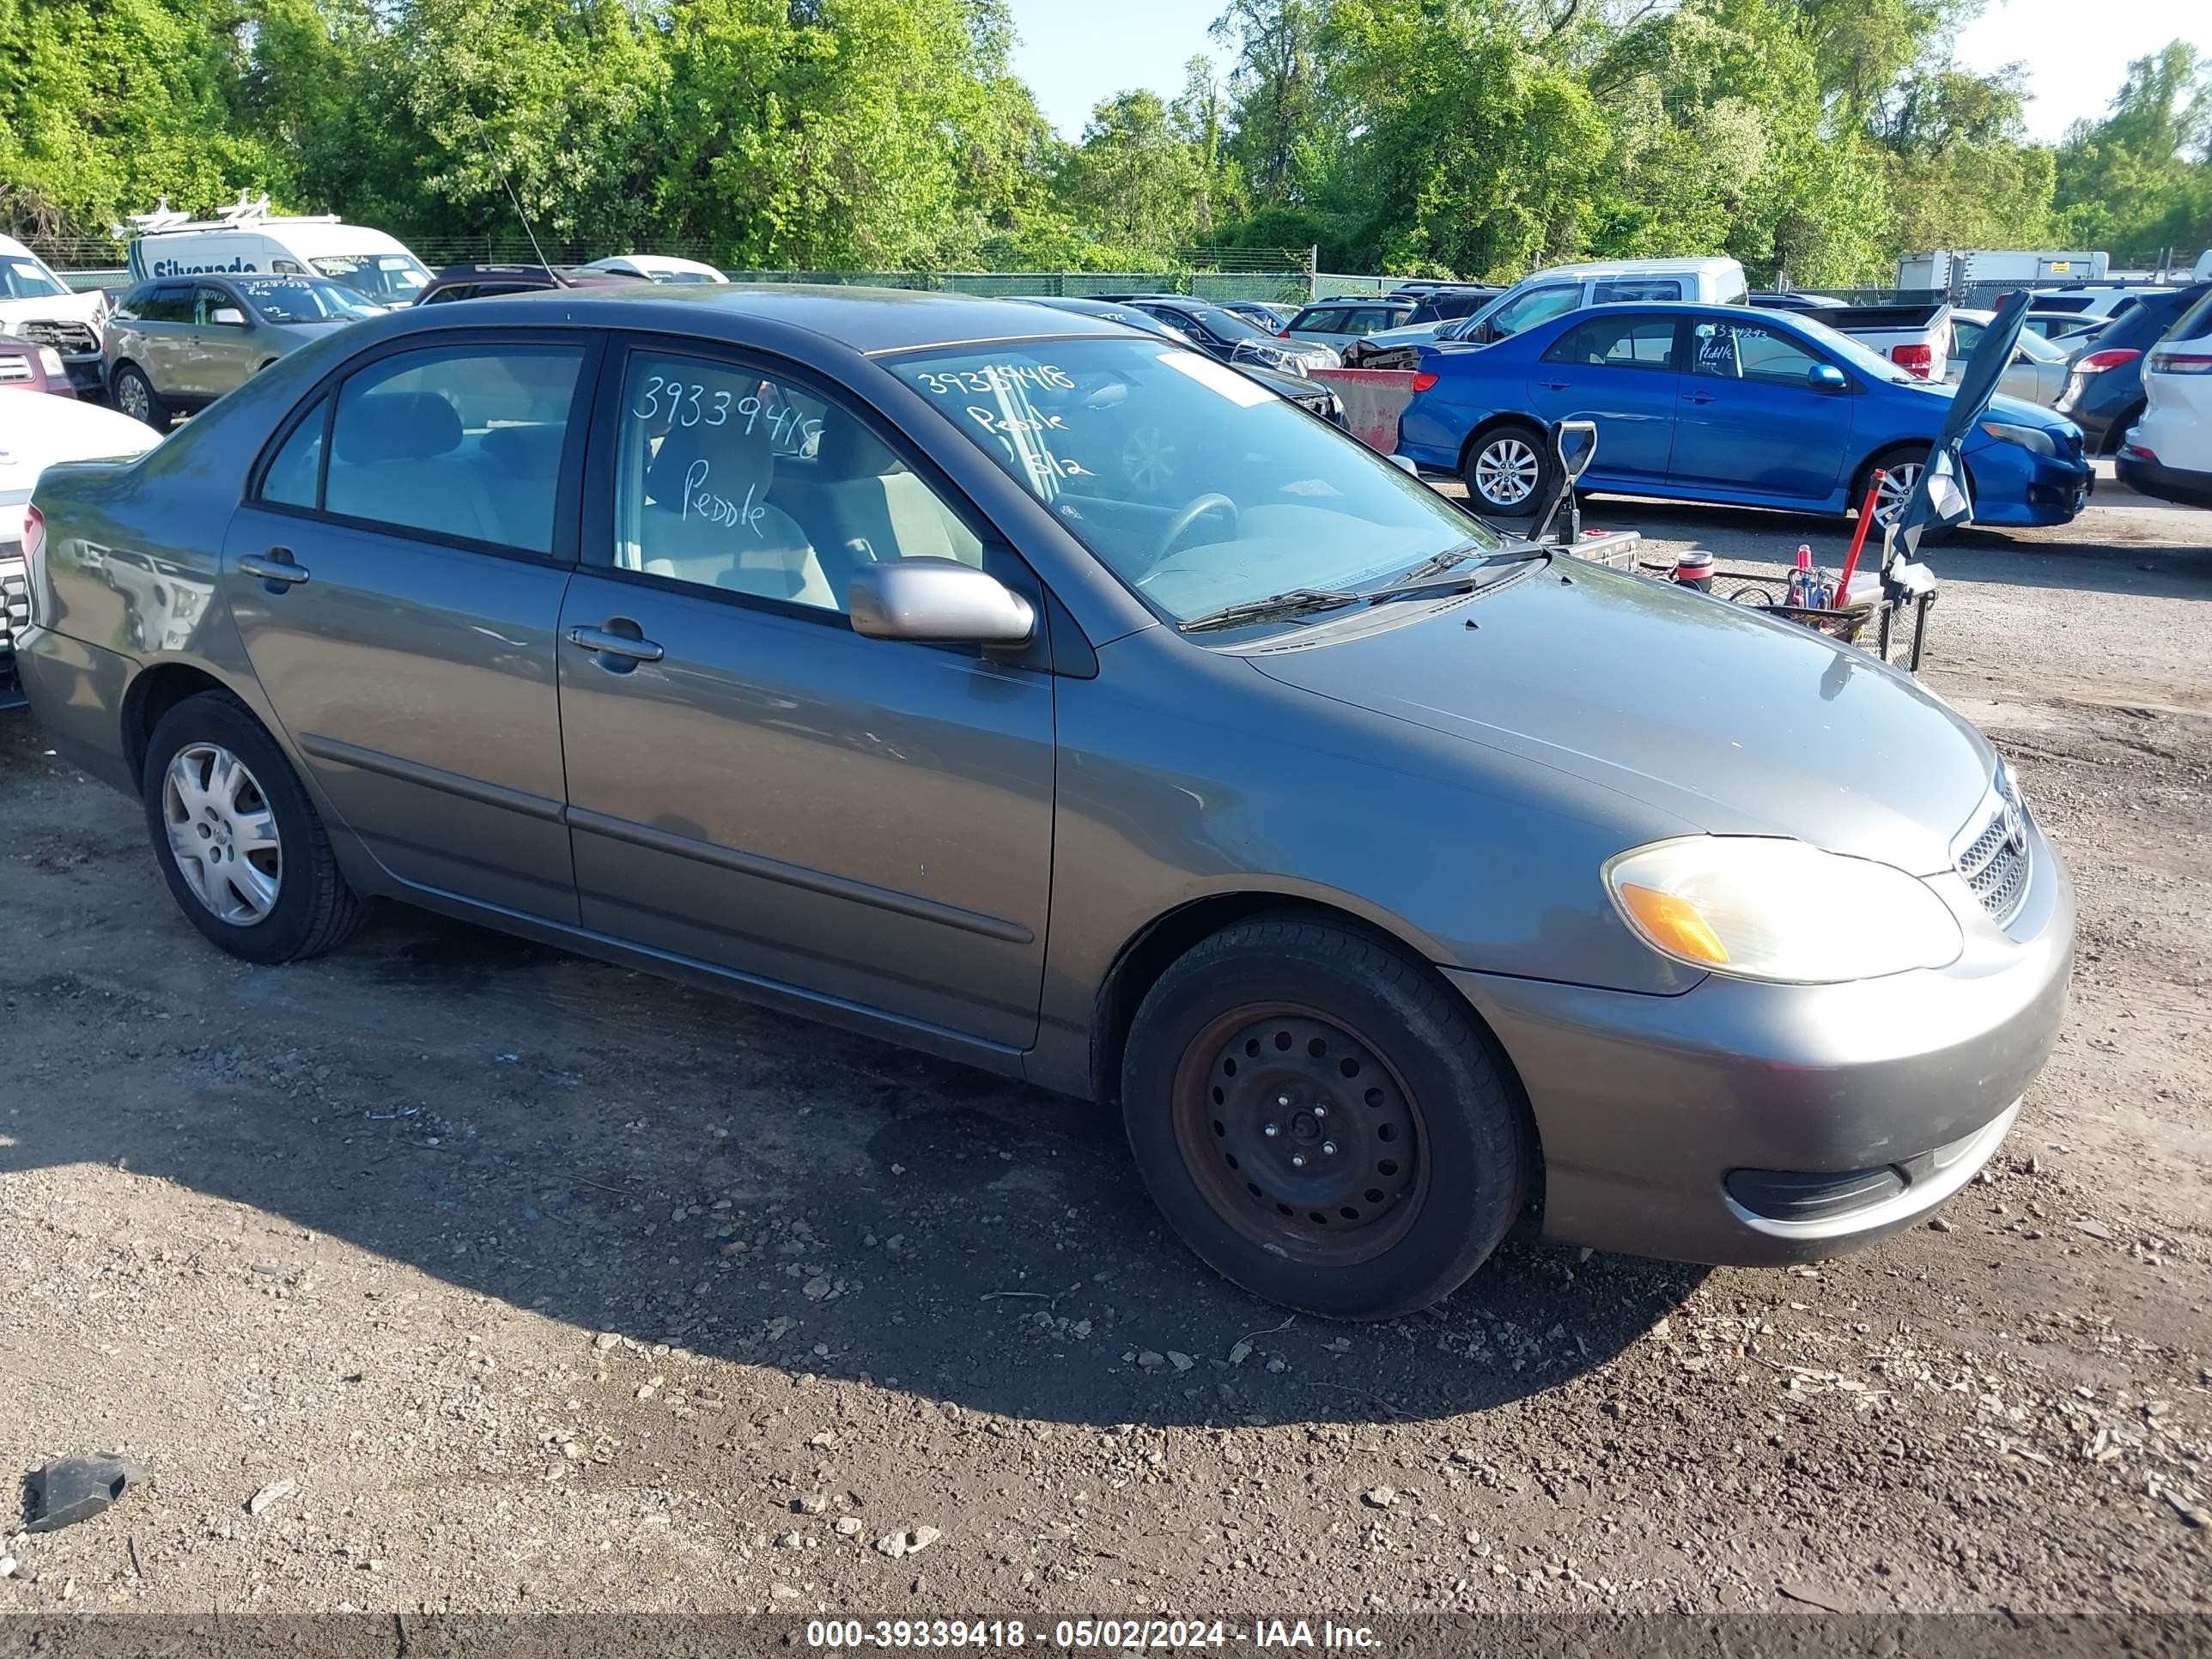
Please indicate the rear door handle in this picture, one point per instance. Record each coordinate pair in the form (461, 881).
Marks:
(277, 567)
(1553, 386)
(609, 644)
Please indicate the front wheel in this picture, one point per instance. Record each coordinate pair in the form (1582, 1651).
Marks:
(239, 842)
(135, 396)
(1510, 471)
(1322, 1120)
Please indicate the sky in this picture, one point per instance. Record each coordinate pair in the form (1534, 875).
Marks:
(1075, 52)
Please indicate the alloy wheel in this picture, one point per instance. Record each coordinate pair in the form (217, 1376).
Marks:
(1896, 490)
(223, 834)
(1300, 1135)
(133, 399)
(1505, 471)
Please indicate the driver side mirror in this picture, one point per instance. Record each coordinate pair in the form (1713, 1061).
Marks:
(1826, 377)
(937, 602)
(227, 317)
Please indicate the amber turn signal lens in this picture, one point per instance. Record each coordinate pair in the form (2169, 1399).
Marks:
(1674, 924)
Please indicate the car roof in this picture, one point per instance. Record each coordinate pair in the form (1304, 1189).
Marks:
(1365, 299)
(864, 320)
(1633, 267)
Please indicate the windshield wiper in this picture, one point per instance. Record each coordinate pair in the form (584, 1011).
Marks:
(1291, 602)
(1418, 580)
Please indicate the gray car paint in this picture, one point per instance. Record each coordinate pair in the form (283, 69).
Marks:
(975, 859)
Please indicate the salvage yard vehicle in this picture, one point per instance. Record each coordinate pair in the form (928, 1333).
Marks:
(1227, 336)
(179, 343)
(659, 268)
(457, 283)
(1392, 876)
(2104, 393)
(37, 306)
(2037, 374)
(35, 433)
(2169, 452)
(1916, 337)
(1728, 405)
(1153, 449)
(1547, 293)
(28, 366)
(246, 239)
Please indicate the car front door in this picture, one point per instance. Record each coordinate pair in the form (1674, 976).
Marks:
(1750, 419)
(223, 351)
(753, 786)
(1621, 371)
(397, 574)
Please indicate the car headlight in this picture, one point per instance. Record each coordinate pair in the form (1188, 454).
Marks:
(1767, 909)
(51, 361)
(2033, 439)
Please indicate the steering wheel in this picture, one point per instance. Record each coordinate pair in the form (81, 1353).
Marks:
(1190, 512)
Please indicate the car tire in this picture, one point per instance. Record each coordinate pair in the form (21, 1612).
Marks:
(133, 394)
(2118, 434)
(1400, 1152)
(1903, 464)
(1510, 471)
(262, 882)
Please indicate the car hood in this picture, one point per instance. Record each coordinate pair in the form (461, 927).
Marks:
(52, 308)
(1738, 723)
(1406, 334)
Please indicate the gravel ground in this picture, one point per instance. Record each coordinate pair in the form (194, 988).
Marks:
(533, 1284)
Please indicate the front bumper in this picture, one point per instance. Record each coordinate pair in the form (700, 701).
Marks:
(1646, 1106)
(2012, 487)
(87, 374)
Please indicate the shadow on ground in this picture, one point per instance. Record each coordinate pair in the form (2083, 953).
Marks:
(632, 1156)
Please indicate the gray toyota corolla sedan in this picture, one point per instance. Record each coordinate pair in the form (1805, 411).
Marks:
(1014, 686)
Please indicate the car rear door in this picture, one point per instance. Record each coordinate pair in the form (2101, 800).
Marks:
(397, 573)
(161, 340)
(753, 786)
(1622, 371)
(1748, 420)
(224, 354)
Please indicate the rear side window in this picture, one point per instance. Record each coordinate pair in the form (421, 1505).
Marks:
(1616, 343)
(462, 443)
(1631, 290)
(2195, 323)
(294, 479)
(168, 302)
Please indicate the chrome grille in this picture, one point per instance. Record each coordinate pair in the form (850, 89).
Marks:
(15, 602)
(71, 339)
(1995, 863)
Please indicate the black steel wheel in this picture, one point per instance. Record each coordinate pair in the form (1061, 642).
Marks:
(1323, 1119)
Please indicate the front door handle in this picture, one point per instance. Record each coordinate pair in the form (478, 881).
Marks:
(1697, 397)
(607, 643)
(1553, 386)
(277, 568)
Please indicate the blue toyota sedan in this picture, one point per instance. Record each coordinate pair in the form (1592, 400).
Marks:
(1724, 405)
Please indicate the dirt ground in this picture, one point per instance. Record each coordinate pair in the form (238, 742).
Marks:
(537, 1285)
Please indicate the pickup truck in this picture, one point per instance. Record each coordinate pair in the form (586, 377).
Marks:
(1916, 338)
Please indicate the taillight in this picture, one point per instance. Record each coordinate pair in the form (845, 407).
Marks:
(1283, 333)
(34, 549)
(2136, 451)
(2180, 362)
(1423, 380)
(2098, 362)
(1914, 359)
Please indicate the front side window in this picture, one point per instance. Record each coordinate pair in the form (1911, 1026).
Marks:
(206, 301)
(1616, 343)
(730, 479)
(1747, 351)
(1196, 487)
(463, 441)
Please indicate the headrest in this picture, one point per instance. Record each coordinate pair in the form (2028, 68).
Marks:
(397, 426)
(735, 462)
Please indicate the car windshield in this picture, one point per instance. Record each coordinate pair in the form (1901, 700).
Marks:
(27, 279)
(387, 279)
(1227, 323)
(679, 276)
(304, 300)
(1195, 485)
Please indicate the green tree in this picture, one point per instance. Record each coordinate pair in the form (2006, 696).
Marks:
(1136, 179)
(2141, 179)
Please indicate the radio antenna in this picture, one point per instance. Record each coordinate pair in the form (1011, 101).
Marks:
(492, 155)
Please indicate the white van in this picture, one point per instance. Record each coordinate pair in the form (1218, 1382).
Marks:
(1562, 288)
(247, 237)
(36, 304)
